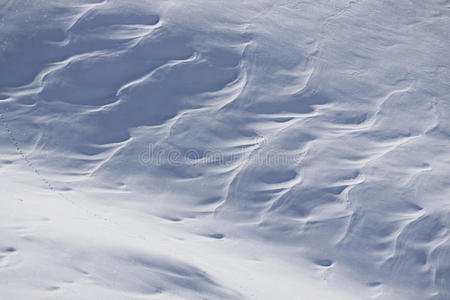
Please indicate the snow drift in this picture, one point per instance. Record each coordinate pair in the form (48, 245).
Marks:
(224, 149)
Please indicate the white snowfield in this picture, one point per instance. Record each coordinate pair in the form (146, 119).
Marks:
(225, 149)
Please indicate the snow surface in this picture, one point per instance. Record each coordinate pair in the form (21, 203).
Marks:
(174, 149)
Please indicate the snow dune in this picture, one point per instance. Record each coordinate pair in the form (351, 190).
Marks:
(224, 149)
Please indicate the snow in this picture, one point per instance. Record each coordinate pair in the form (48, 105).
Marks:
(199, 149)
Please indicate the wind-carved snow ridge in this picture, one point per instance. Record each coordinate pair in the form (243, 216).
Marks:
(226, 150)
